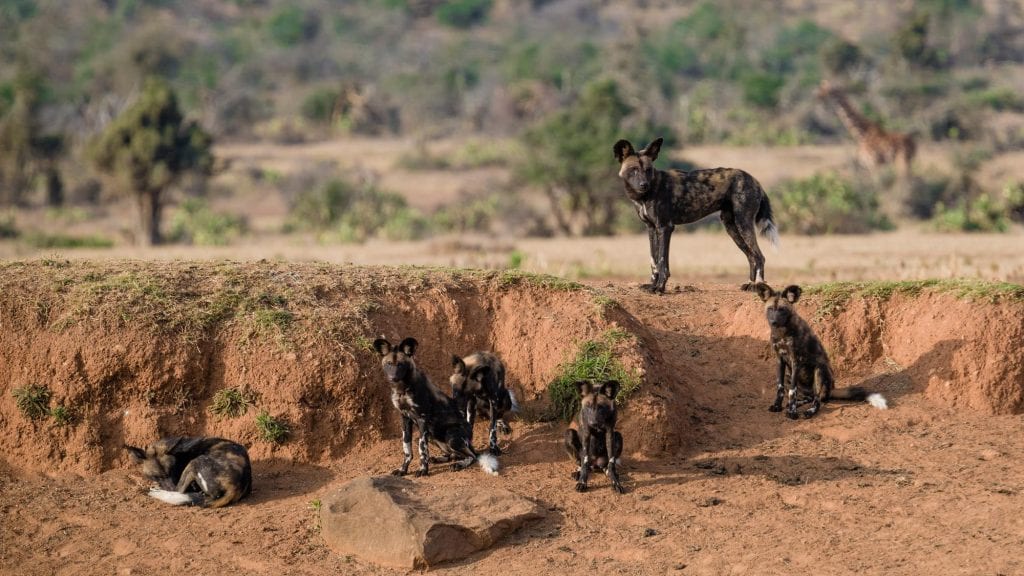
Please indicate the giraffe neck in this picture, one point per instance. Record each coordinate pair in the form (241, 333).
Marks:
(856, 123)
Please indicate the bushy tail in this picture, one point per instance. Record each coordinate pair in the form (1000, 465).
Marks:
(858, 394)
(176, 498)
(766, 222)
(488, 462)
(512, 400)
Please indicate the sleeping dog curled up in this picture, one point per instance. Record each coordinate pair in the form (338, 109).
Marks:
(201, 471)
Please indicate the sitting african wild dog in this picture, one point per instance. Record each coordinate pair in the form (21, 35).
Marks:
(596, 445)
(478, 384)
(421, 403)
(664, 198)
(208, 472)
(804, 372)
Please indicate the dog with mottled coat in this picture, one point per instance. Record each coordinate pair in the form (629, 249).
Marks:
(594, 443)
(665, 198)
(198, 471)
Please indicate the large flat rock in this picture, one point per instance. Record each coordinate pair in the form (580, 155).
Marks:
(397, 522)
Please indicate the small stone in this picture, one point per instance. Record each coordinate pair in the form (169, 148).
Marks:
(648, 532)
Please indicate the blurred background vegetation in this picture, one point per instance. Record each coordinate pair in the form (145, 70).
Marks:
(534, 90)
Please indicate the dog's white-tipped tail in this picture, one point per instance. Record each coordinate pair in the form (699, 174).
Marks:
(489, 463)
(878, 401)
(171, 497)
(769, 231)
(515, 403)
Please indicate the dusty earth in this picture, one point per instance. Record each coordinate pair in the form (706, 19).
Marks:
(715, 483)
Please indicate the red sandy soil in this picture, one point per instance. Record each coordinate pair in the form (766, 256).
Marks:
(715, 483)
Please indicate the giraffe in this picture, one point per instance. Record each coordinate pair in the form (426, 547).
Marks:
(876, 147)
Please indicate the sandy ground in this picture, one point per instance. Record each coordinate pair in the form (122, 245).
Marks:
(917, 489)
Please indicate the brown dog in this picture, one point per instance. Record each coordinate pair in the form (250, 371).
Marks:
(596, 445)
(478, 385)
(208, 472)
(804, 371)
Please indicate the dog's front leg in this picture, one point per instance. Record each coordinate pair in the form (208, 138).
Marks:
(424, 451)
(613, 445)
(664, 239)
(470, 418)
(791, 391)
(780, 387)
(406, 447)
(581, 480)
(493, 435)
(652, 237)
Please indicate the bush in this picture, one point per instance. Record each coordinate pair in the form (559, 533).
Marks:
(230, 403)
(827, 204)
(979, 214)
(291, 25)
(33, 401)
(341, 211)
(761, 89)
(840, 56)
(594, 360)
(195, 223)
(319, 106)
(8, 227)
(41, 240)
(463, 13)
(272, 429)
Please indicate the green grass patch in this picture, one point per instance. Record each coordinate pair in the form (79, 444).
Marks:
(593, 360)
(32, 400)
(230, 403)
(62, 416)
(272, 429)
(509, 278)
(40, 240)
(835, 295)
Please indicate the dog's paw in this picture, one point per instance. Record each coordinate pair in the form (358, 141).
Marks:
(581, 487)
(618, 488)
(494, 450)
(422, 472)
(649, 288)
(399, 472)
(775, 408)
(792, 414)
(748, 287)
(810, 413)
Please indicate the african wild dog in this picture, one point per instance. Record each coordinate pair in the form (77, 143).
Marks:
(434, 413)
(478, 383)
(209, 472)
(804, 372)
(664, 198)
(596, 445)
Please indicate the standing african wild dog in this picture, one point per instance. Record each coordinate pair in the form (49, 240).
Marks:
(219, 469)
(664, 198)
(478, 383)
(804, 372)
(422, 403)
(597, 445)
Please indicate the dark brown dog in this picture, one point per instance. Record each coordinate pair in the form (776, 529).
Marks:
(596, 445)
(209, 472)
(664, 198)
(478, 386)
(421, 403)
(804, 371)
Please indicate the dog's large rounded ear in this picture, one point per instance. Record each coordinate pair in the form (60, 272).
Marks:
(792, 293)
(458, 365)
(408, 346)
(623, 149)
(764, 291)
(610, 389)
(137, 455)
(382, 346)
(584, 387)
(652, 149)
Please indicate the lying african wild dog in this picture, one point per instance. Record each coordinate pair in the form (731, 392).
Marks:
(478, 384)
(804, 372)
(664, 198)
(434, 413)
(202, 471)
(597, 445)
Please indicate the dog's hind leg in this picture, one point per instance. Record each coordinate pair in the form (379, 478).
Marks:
(729, 221)
(652, 237)
(822, 389)
(492, 438)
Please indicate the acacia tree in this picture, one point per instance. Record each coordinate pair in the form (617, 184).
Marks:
(569, 156)
(149, 147)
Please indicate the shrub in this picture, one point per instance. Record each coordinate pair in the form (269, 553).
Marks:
(319, 106)
(762, 88)
(41, 240)
(827, 204)
(341, 211)
(840, 56)
(195, 223)
(62, 416)
(594, 360)
(8, 228)
(463, 13)
(979, 214)
(32, 400)
(291, 25)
